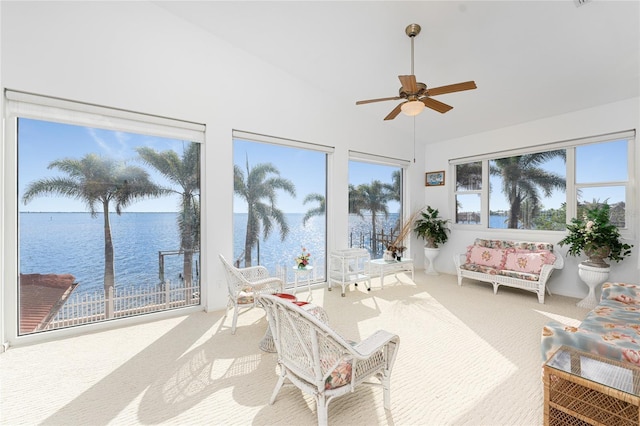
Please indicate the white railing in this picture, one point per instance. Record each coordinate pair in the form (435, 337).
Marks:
(125, 302)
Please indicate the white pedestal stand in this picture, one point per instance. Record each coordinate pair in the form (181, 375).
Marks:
(301, 274)
(592, 277)
(430, 254)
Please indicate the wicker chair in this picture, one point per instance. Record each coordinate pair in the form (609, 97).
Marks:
(319, 361)
(244, 284)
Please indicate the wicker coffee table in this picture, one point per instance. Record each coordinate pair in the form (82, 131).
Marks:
(586, 389)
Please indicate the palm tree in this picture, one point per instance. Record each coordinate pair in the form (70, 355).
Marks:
(371, 197)
(319, 210)
(260, 185)
(185, 173)
(97, 182)
(523, 179)
(395, 188)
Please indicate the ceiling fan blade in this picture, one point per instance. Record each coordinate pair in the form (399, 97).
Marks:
(368, 101)
(394, 113)
(458, 87)
(408, 83)
(436, 105)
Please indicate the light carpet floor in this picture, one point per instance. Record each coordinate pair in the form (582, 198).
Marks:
(466, 357)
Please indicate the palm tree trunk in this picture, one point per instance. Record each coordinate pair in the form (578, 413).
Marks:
(374, 249)
(249, 238)
(187, 245)
(109, 271)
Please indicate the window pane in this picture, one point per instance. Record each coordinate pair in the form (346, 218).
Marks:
(468, 209)
(279, 207)
(612, 195)
(73, 245)
(375, 206)
(469, 176)
(526, 187)
(591, 158)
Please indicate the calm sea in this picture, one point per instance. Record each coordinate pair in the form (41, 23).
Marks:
(73, 243)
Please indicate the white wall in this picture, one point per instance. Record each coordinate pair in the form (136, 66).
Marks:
(137, 56)
(614, 117)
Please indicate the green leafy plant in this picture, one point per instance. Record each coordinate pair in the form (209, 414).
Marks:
(594, 233)
(432, 228)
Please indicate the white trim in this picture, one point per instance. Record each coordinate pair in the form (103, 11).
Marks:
(257, 137)
(30, 105)
(378, 159)
(609, 137)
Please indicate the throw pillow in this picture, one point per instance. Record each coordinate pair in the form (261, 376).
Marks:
(527, 261)
(486, 256)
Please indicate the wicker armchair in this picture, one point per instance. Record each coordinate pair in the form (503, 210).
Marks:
(319, 361)
(244, 284)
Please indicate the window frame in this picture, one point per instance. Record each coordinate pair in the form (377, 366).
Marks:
(19, 104)
(572, 187)
(403, 165)
(309, 146)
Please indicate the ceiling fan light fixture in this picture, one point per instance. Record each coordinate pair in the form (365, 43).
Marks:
(412, 108)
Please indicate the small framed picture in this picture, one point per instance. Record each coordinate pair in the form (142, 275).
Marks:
(434, 178)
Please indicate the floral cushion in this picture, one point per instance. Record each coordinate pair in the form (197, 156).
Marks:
(611, 329)
(505, 244)
(527, 261)
(245, 297)
(479, 268)
(485, 256)
(519, 275)
(340, 376)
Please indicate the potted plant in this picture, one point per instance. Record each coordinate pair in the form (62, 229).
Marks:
(395, 248)
(596, 237)
(434, 230)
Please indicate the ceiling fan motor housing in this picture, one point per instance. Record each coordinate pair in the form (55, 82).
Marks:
(421, 90)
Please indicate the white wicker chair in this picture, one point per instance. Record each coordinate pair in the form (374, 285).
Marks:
(319, 361)
(244, 284)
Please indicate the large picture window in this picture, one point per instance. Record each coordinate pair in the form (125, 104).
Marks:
(108, 218)
(525, 189)
(543, 190)
(375, 205)
(279, 205)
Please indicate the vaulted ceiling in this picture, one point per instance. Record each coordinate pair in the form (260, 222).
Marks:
(529, 59)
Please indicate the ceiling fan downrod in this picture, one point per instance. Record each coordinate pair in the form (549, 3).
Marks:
(412, 30)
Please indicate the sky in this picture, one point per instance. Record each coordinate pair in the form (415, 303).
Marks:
(40, 142)
(304, 168)
(593, 165)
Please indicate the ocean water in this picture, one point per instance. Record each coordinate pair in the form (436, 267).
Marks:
(73, 243)
(273, 252)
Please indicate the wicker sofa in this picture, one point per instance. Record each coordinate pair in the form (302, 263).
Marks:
(611, 329)
(520, 264)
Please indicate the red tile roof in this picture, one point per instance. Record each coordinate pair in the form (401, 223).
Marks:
(41, 296)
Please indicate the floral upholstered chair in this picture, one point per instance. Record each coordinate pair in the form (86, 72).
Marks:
(244, 284)
(319, 361)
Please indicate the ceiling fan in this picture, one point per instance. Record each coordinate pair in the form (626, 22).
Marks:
(417, 94)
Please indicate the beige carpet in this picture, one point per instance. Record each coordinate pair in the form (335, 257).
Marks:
(467, 357)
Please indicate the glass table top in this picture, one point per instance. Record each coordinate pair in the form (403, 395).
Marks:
(618, 375)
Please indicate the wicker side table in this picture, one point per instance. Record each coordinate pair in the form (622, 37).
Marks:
(586, 389)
